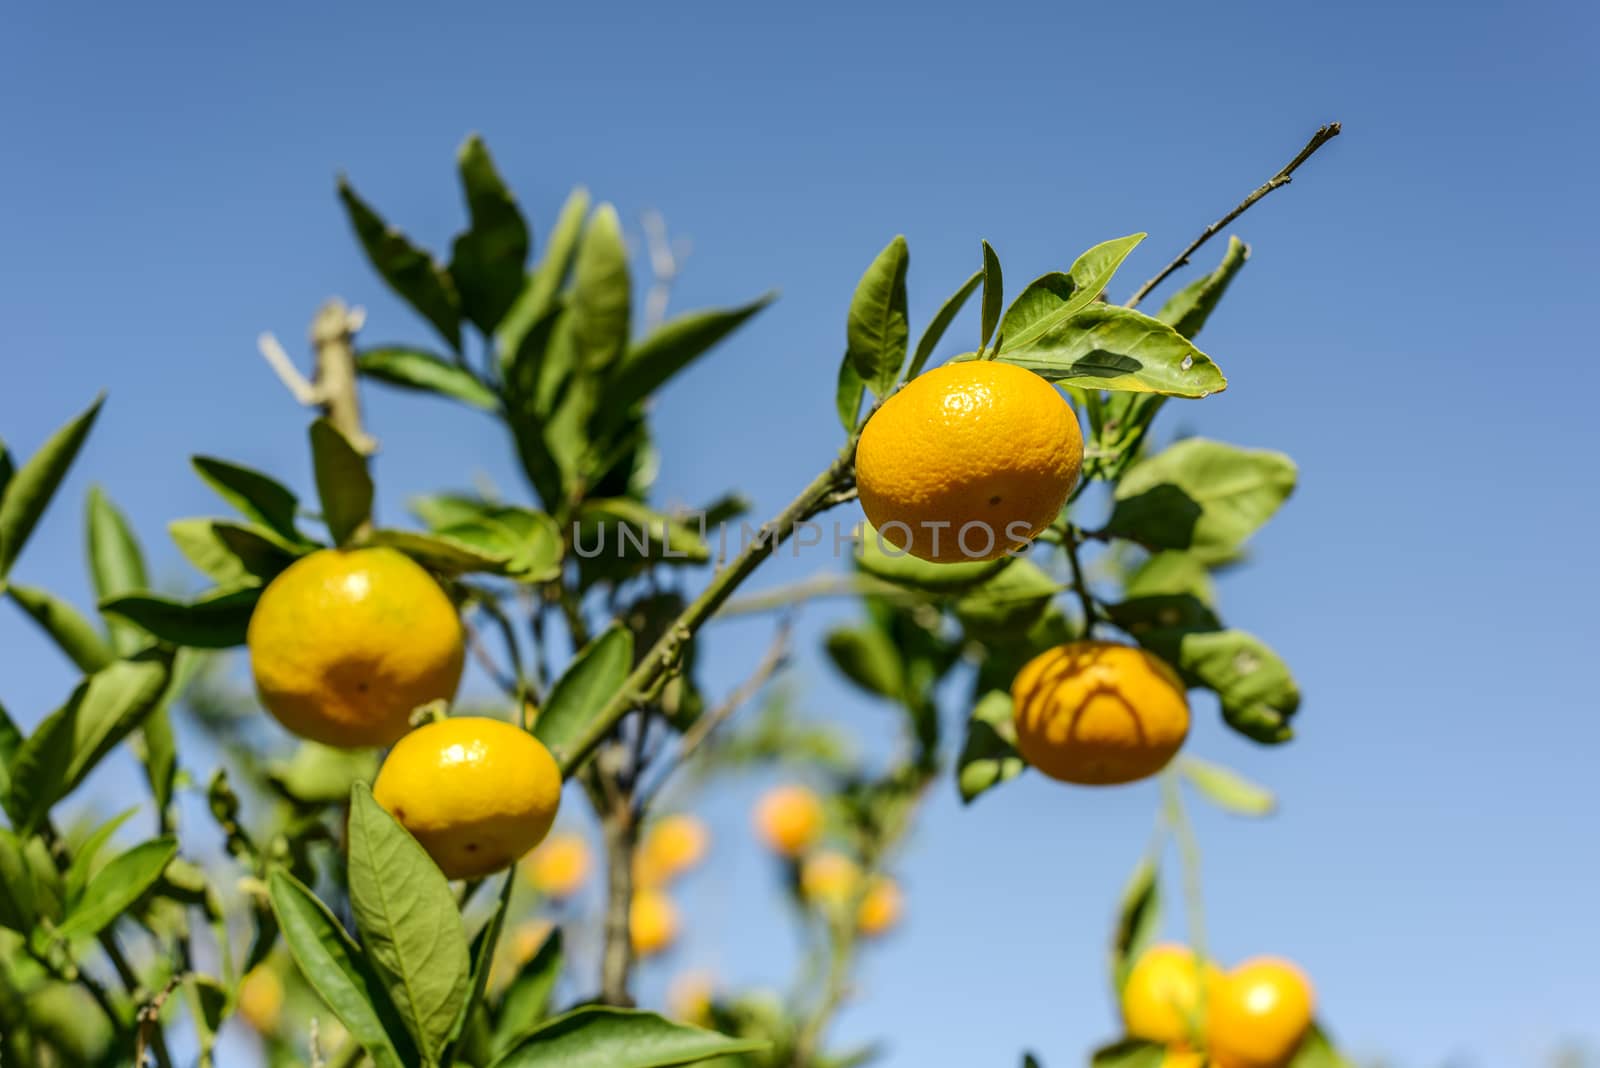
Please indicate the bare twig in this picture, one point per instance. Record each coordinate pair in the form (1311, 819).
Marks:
(1283, 177)
(149, 1022)
(333, 388)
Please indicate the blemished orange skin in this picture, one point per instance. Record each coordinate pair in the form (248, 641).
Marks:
(978, 443)
(346, 644)
(1260, 1015)
(789, 819)
(1161, 1000)
(477, 793)
(1099, 713)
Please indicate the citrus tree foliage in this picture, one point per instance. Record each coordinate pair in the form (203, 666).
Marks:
(320, 888)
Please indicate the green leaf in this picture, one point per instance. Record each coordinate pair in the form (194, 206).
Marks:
(231, 554)
(488, 259)
(1051, 300)
(74, 634)
(218, 620)
(600, 1037)
(1014, 599)
(449, 555)
(84, 854)
(443, 509)
(318, 775)
(1227, 789)
(1129, 1053)
(104, 709)
(526, 1002)
(619, 527)
(539, 293)
(1172, 573)
(18, 906)
(670, 348)
(408, 922)
(482, 955)
(1258, 694)
(878, 327)
(516, 542)
(847, 394)
(117, 886)
(416, 369)
(593, 678)
(7, 468)
(115, 563)
(1201, 496)
(989, 755)
(410, 271)
(1138, 921)
(344, 484)
(1191, 306)
(1109, 347)
(601, 293)
(338, 971)
(879, 558)
(940, 323)
(28, 491)
(867, 657)
(993, 298)
(1317, 1051)
(256, 496)
(1163, 610)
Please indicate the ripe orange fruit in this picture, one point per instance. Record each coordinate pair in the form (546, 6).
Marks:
(789, 819)
(1260, 1015)
(968, 461)
(559, 866)
(881, 907)
(652, 923)
(671, 846)
(1178, 1057)
(477, 793)
(346, 644)
(261, 999)
(829, 878)
(1161, 1001)
(1098, 713)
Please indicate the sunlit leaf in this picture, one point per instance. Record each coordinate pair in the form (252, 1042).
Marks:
(989, 754)
(29, 490)
(593, 678)
(1191, 306)
(1227, 789)
(410, 271)
(488, 259)
(416, 369)
(117, 886)
(878, 328)
(1049, 301)
(601, 1037)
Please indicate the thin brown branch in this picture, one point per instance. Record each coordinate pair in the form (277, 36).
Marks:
(1283, 177)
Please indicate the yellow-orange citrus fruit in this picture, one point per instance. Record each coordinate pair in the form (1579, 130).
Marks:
(1098, 713)
(1161, 1001)
(261, 999)
(881, 907)
(671, 846)
(652, 923)
(789, 819)
(1178, 1057)
(346, 644)
(477, 793)
(968, 461)
(689, 997)
(829, 878)
(526, 939)
(1260, 1015)
(559, 866)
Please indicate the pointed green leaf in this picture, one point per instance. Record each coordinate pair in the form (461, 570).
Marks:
(993, 297)
(1109, 347)
(117, 887)
(1258, 694)
(878, 328)
(939, 324)
(416, 369)
(29, 490)
(344, 484)
(526, 1002)
(847, 394)
(1014, 599)
(232, 554)
(1172, 573)
(338, 971)
(601, 292)
(867, 657)
(989, 755)
(1201, 496)
(1191, 306)
(18, 907)
(255, 495)
(671, 347)
(218, 620)
(1317, 1051)
(1227, 789)
(115, 562)
(600, 1037)
(85, 853)
(616, 527)
(1049, 301)
(1129, 1053)
(877, 556)
(593, 678)
(410, 271)
(1138, 921)
(71, 632)
(488, 259)
(484, 945)
(408, 923)
(538, 294)
(7, 468)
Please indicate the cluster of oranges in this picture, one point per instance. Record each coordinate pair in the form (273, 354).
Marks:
(1255, 1016)
(791, 821)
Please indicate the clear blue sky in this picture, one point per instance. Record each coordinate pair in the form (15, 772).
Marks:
(1414, 328)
